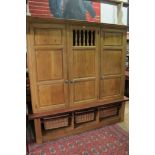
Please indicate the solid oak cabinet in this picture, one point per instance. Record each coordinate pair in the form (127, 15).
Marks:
(76, 72)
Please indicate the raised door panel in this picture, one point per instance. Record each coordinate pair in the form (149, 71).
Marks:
(110, 87)
(84, 63)
(48, 71)
(84, 91)
(51, 95)
(113, 38)
(48, 36)
(49, 64)
(111, 62)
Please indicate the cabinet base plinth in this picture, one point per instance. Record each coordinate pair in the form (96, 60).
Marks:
(102, 116)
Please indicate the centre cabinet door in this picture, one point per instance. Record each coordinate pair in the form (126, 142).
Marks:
(83, 64)
(48, 66)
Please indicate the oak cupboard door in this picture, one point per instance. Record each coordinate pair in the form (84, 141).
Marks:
(83, 69)
(48, 66)
(112, 64)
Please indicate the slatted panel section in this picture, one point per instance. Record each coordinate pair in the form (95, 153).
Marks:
(83, 37)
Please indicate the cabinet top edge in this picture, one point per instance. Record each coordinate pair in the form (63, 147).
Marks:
(30, 19)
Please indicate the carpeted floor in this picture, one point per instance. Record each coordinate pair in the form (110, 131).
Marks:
(109, 140)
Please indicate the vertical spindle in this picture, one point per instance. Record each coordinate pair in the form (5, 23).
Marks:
(79, 38)
(84, 38)
(75, 38)
(87, 38)
(92, 37)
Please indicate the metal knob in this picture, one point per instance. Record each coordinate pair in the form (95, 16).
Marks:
(102, 77)
(71, 81)
(66, 81)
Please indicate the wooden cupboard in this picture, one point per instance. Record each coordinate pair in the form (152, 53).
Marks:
(76, 75)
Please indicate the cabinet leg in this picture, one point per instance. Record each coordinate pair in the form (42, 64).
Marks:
(37, 125)
(122, 112)
(72, 121)
(97, 116)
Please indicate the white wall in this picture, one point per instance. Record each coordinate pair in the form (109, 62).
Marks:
(125, 15)
(109, 14)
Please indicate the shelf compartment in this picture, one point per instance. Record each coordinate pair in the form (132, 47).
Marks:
(109, 111)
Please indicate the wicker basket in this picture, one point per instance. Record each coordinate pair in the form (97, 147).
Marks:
(108, 112)
(56, 122)
(85, 116)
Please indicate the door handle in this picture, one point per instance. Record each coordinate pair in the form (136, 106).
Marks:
(66, 81)
(102, 77)
(72, 81)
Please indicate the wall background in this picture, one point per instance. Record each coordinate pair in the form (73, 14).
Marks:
(40, 8)
(105, 13)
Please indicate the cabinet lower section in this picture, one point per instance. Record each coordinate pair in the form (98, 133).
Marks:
(73, 122)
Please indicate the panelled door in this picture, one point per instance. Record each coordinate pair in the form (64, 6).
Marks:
(112, 64)
(48, 66)
(83, 56)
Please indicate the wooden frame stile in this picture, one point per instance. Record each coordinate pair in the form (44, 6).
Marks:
(123, 61)
(68, 62)
(97, 59)
(69, 45)
(65, 60)
(31, 67)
